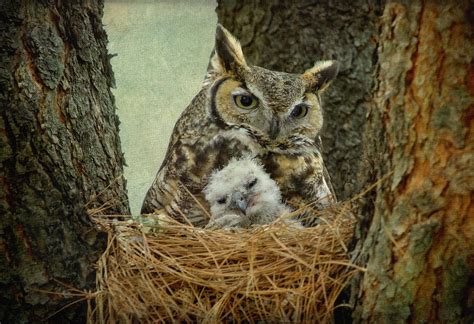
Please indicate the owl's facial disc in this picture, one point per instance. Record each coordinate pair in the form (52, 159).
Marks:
(276, 104)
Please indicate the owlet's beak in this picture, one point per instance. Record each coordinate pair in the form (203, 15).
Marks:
(238, 201)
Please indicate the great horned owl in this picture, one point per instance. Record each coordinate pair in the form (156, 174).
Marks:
(242, 110)
(243, 194)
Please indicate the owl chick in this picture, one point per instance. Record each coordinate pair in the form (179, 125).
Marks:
(243, 194)
(243, 110)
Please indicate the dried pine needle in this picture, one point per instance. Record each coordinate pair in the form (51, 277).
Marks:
(162, 270)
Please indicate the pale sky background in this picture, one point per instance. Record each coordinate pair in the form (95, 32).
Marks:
(163, 49)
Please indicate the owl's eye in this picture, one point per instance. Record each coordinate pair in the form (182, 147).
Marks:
(221, 200)
(245, 102)
(299, 111)
(251, 183)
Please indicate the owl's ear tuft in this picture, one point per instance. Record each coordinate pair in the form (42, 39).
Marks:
(320, 76)
(228, 55)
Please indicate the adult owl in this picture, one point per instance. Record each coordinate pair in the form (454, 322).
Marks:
(245, 110)
(242, 194)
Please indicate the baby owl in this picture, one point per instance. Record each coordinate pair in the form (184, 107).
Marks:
(243, 194)
(245, 110)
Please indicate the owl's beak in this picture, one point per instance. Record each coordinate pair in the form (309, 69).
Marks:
(274, 128)
(239, 201)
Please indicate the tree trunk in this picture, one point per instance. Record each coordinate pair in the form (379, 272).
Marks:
(290, 36)
(419, 246)
(59, 150)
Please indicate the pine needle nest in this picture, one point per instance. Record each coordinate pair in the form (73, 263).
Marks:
(157, 269)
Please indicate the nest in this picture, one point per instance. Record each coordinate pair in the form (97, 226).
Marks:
(161, 270)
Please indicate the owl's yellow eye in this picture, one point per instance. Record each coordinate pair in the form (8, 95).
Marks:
(299, 111)
(245, 101)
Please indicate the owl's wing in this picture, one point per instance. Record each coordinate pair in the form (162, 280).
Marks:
(328, 181)
(188, 125)
(326, 176)
(303, 179)
(181, 198)
(183, 175)
(164, 190)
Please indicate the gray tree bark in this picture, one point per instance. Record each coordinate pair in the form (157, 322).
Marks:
(290, 36)
(59, 151)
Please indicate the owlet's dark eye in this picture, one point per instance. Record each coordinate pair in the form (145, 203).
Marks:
(221, 200)
(251, 183)
(245, 101)
(299, 111)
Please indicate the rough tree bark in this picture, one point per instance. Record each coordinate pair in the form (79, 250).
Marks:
(290, 36)
(59, 149)
(419, 246)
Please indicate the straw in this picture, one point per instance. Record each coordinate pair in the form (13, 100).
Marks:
(158, 269)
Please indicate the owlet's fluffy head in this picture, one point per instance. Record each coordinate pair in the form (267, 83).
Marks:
(244, 188)
(276, 103)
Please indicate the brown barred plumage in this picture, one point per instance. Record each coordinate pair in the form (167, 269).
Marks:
(245, 110)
